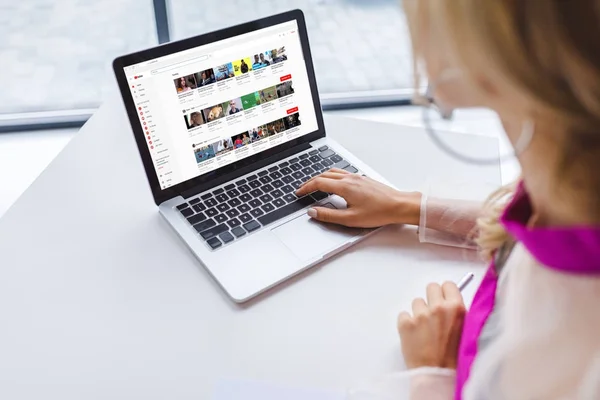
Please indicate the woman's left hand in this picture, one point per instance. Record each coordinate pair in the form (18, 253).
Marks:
(431, 336)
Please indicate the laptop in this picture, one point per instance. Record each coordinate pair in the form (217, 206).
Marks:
(228, 125)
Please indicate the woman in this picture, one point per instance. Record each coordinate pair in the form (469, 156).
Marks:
(182, 85)
(533, 330)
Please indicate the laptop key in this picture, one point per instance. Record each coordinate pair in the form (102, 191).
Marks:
(234, 202)
(327, 163)
(256, 193)
(284, 164)
(305, 163)
(268, 207)
(182, 206)
(214, 231)
(206, 196)
(233, 193)
(199, 207)
(286, 171)
(273, 168)
(255, 203)
(293, 160)
(218, 191)
(315, 159)
(351, 168)
(265, 179)
(240, 182)
(194, 219)
(318, 195)
(327, 153)
(238, 231)
(318, 166)
(304, 179)
(211, 212)
(234, 222)
(245, 197)
(296, 167)
(244, 208)
(220, 218)
(287, 179)
(307, 170)
(313, 152)
(275, 175)
(287, 189)
(251, 177)
(286, 210)
(194, 201)
(297, 184)
(222, 198)
(303, 156)
(186, 212)
(251, 226)
(214, 243)
(279, 203)
(267, 188)
(230, 186)
(290, 197)
(245, 218)
(336, 158)
(297, 175)
(202, 226)
(323, 148)
(211, 202)
(255, 184)
(276, 193)
(244, 188)
(226, 237)
(263, 173)
(315, 174)
(341, 164)
(266, 198)
(257, 212)
(232, 213)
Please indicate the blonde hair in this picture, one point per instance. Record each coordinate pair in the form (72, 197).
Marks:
(547, 52)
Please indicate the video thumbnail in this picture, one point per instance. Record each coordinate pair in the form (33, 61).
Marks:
(233, 106)
(185, 83)
(258, 133)
(292, 121)
(242, 66)
(223, 146)
(266, 95)
(213, 113)
(259, 61)
(250, 100)
(205, 77)
(277, 55)
(275, 127)
(224, 71)
(285, 89)
(204, 153)
(194, 119)
(241, 140)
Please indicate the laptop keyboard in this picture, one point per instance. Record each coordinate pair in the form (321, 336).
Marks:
(229, 213)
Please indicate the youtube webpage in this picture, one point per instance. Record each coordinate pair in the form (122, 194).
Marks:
(213, 105)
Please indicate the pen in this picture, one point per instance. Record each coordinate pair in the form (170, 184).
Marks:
(465, 281)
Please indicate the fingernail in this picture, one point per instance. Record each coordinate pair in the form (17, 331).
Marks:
(312, 213)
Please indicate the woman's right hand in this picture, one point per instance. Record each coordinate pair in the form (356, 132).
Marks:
(370, 203)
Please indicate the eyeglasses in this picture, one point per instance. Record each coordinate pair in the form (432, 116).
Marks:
(437, 118)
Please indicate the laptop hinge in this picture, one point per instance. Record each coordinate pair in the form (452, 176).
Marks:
(245, 170)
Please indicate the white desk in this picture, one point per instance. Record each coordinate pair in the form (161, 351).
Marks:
(99, 299)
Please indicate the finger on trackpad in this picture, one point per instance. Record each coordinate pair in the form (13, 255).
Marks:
(307, 238)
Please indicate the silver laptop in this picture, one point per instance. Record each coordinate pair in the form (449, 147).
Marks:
(228, 126)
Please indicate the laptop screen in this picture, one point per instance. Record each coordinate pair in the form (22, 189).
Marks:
(213, 105)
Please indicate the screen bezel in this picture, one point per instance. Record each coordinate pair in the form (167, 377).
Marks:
(161, 195)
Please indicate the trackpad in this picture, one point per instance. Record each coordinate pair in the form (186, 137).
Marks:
(307, 238)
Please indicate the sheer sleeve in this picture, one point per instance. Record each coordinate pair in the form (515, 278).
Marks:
(416, 384)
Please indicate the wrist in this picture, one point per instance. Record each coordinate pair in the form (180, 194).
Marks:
(407, 208)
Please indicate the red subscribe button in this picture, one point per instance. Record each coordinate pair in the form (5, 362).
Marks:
(286, 77)
(292, 110)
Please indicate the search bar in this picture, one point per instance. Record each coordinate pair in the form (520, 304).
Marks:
(179, 64)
